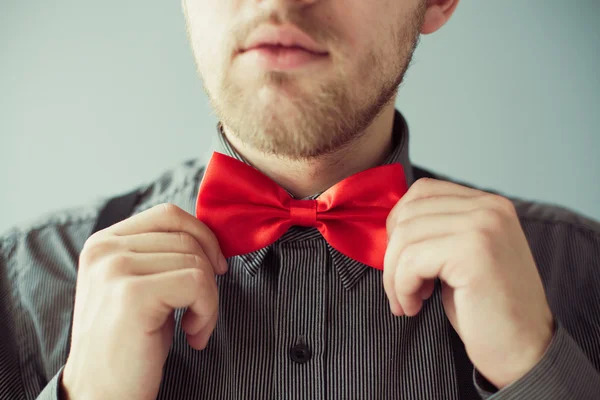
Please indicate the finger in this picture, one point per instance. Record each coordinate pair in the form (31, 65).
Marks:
(430, 226)
(420, 264)
(126, 264)
(157, 295)
(394, 303)
(389, 271)
(194, 321)
(431, 205)
(419, 229)
(170, 218)
(413, 304)
(428, 187)
(171, 242)
(439, 205)
(200, 340)
(161, 242)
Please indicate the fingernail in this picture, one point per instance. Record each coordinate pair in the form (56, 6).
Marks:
(223, 266)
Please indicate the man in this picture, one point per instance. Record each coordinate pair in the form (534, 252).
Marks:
(317, 265)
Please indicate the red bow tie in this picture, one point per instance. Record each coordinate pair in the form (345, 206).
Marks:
(247, 211)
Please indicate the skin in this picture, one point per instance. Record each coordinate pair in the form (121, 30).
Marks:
(296, 125)
(492, 292)
(311, 128)
(307, 129)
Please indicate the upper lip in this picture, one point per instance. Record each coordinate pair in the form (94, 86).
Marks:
(282, 35)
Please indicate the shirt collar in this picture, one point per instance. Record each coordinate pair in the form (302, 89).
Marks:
(399, 153)
(350, 271)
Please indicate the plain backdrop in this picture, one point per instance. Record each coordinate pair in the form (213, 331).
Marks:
(98, 97)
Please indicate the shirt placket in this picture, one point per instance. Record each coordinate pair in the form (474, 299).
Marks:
(301, 337)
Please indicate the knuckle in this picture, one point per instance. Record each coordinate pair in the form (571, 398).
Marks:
(482, 240)
(399, 216)
(171, 211)
(93, 239)
(501, 204)
(423, 182)
(196, 260)
(404, 230)
(93, 250)
(169, 208)
(506, 205)
(490, 219)
(120, 261)
(452, 266)
(388, 276)
(116, 266)
(407, 257)
(198, 276)
(388, 279)
(404, 213)
(209, 238)
(187, 241)
(86, 258)
(211, 235)
(390, 221)
(421, 185)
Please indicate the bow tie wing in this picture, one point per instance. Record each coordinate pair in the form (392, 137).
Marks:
(244, 208)
(352, 214)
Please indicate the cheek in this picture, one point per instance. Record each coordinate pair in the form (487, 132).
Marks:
(349, 22)
(207, 22)
(363, 30)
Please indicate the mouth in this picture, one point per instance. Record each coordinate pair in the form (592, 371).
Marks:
(282, 48)
(281, 58)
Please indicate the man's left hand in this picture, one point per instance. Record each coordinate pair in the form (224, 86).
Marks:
(492, 292)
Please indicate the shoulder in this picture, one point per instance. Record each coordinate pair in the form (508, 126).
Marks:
(48, 237)
(38, 268)
(58, 236)
(566, 247)
(546, 217)
(564, 242)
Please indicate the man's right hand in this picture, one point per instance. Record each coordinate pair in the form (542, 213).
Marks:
(132, 276)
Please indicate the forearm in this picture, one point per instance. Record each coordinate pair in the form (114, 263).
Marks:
(563, 373)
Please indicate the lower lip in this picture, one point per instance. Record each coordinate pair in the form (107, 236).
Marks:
(282, 58)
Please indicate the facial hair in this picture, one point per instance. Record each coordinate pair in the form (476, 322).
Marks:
(276, 115)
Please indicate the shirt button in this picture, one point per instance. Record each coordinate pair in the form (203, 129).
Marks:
(300, 353)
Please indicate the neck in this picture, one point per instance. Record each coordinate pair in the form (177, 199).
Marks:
(303, 178)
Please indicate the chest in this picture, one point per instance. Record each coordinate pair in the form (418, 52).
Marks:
(296, 329)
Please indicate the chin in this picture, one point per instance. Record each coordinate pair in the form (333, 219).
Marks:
(278, 98)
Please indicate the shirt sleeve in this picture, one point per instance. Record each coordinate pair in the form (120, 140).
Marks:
(11, 381)
(563, 373)
(22, 362)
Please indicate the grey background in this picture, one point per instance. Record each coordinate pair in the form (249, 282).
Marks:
(97, 97)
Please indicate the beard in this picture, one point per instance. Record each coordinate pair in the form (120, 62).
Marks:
(278, 113)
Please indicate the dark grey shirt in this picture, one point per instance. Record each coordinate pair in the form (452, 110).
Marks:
(298, 320)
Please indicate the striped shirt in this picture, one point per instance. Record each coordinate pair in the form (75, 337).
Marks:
(299, 320)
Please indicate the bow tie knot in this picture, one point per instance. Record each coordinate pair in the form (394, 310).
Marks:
(303, 212)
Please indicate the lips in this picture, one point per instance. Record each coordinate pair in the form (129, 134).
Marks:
(282, 36)
(282, 48)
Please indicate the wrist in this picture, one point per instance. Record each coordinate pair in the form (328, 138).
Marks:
(523, 362)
